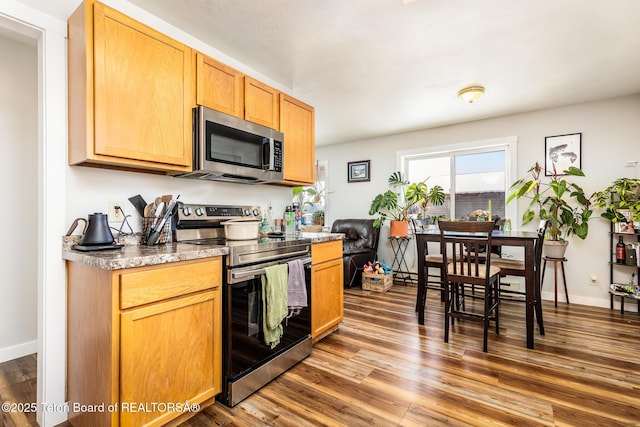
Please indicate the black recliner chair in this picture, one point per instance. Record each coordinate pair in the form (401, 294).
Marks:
(360, 245)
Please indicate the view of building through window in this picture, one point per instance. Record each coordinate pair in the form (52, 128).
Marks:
(474, 181)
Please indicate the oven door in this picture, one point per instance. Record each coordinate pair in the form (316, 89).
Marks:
(244, 350)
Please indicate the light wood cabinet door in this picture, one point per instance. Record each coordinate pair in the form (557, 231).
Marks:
(327, 296)
(261, 103)
(170, 353)
(135, 92)
(219, 86)
(297, 122)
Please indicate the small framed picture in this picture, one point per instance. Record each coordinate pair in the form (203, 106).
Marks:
(562, 152)
(623, 227)
(358, 171)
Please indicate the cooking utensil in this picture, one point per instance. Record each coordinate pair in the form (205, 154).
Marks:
(149, 210)
(138, 202)
(158, 214)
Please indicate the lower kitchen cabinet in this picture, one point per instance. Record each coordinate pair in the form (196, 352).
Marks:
(327, 292)
(142, 342)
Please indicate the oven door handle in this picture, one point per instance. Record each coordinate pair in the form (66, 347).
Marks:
(259, 271)
(277, 256)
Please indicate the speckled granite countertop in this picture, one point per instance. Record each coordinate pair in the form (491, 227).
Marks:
(135, 255)
(322, 237)
(140, 255)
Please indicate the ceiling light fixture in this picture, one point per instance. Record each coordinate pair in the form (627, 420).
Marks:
(470, 94)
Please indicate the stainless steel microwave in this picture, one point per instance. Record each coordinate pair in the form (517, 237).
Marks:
(227, 148)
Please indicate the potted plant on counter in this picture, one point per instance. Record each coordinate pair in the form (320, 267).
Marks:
(318, 217)
(395, 203)
(554, 198)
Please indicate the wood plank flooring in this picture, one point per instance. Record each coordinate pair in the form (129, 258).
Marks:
(383, 369)
(18, 385)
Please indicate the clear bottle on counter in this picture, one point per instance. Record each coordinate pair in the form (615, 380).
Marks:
(289, 221)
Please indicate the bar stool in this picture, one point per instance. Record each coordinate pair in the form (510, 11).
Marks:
(555, 276)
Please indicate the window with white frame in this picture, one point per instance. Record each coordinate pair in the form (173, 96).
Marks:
(475, 177)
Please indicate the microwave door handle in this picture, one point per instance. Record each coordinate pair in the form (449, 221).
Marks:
(268, 157)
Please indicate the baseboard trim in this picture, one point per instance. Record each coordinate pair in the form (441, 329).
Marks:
(576, 299)
(16, 351)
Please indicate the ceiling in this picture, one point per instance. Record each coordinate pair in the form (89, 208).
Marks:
(378, 67)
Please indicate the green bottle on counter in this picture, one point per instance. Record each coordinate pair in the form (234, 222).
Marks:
(289, 221)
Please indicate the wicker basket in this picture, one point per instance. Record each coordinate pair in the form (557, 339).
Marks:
(377, 282)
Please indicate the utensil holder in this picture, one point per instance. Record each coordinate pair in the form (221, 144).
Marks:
(147, 227)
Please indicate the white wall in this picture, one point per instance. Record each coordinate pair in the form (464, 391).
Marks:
(18, 140)
(609, 128)
(91, 189)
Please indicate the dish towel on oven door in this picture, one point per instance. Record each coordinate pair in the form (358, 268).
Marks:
(297, 291)
(274, 303)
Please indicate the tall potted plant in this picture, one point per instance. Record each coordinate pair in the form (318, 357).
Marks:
(395, 203)
(554, 198)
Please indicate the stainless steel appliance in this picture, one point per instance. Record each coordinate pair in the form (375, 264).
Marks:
(248, 363)
(227, 148)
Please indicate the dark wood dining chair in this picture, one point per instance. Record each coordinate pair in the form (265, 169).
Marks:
(432, 281)
(513, 267)
(461, 244)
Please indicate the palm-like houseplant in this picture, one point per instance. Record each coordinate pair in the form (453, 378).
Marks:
(563, 203)
(395, 204)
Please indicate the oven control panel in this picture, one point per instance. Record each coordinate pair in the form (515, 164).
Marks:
(217, 213)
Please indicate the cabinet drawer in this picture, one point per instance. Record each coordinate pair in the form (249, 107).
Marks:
(151, 284)
(325, 251)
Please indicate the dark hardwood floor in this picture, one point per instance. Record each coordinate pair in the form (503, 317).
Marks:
(382, 369)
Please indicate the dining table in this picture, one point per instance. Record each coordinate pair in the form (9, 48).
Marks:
(524, 239)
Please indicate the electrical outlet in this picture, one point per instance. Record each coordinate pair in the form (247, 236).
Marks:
(115, 215)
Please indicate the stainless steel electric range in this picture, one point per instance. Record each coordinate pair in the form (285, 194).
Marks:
(249, 363)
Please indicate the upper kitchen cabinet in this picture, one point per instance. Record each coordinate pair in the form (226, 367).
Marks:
(261, 104)
(297, 123)
(131, 93)
(219, 86)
